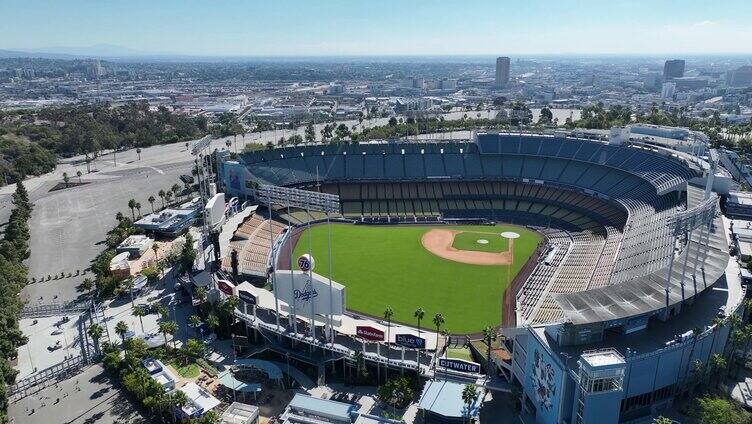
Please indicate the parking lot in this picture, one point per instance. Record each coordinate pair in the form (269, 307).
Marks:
(87, 398)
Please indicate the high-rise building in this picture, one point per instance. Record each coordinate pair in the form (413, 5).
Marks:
(668, 91)
(502, 71)
(673, 69)
(740, 77)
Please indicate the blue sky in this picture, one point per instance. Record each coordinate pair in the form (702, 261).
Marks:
(382, 27)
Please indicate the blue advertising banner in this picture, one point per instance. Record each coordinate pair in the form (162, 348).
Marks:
(247, 297)
(410, 340)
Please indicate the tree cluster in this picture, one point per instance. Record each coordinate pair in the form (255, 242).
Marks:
(30, 140)
(397, 392)
(14, 249)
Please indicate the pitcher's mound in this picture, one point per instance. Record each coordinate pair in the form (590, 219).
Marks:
(439, 242)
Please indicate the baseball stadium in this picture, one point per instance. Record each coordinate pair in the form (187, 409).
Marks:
(579, 249)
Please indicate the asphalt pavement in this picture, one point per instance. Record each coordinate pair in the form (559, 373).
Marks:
(88, 398)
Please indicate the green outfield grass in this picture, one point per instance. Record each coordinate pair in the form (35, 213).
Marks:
(387, 266)
(470, 241)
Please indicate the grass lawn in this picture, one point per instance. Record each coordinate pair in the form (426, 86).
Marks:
(459, 353)
(192, 370)
(474, 241)
(387, 266)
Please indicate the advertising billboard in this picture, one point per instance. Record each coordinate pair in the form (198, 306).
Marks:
(410, 340)
(226, 287)
(369, 333)
(247, 297)
(459, 365)
(303, 290)
(543, 379)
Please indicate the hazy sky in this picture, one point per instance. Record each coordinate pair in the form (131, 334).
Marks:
(375, 27)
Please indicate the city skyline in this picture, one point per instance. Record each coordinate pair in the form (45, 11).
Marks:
(392, 28)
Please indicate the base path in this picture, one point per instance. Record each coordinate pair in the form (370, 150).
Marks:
(439, 242)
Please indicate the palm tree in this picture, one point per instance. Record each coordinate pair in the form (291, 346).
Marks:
(66, 179)
(469, 396)
(78, 174)
(419, 314)
(138, 208)
(132, 206)
(228, 308)
(121, 328)
(717, 366)
(95, 332)
(177, 399)
(489, 335)
(168, 197)
(438, 321)
(161, 195)
(213, 322)
(695, 334)
(200, 294)
(151, 200)
(155, 249)
(698, 374)
(737, 337)
(360, 364)
(388, 314)
(161, 310)
(194, 321)
(88, 284)
(168, 327)
(176, 191)
(140, 312)
(119, 217)
(128, 284)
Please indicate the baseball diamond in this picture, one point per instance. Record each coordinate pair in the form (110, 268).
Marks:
(391, 265)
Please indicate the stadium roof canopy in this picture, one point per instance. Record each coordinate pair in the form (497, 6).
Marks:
(647, 294)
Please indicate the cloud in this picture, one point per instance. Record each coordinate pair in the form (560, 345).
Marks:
(704, 23)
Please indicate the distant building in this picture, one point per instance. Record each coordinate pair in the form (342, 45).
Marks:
(690, 83)
(673, 69)
(740, 77)
(335, 89)
(651, 80)
(448, 84)
(502, 71)
(419, 83)
(668, 90)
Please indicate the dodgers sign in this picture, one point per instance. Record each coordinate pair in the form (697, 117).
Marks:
(459, 365)
(300, 290)
(410, 340)
(306, 294)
